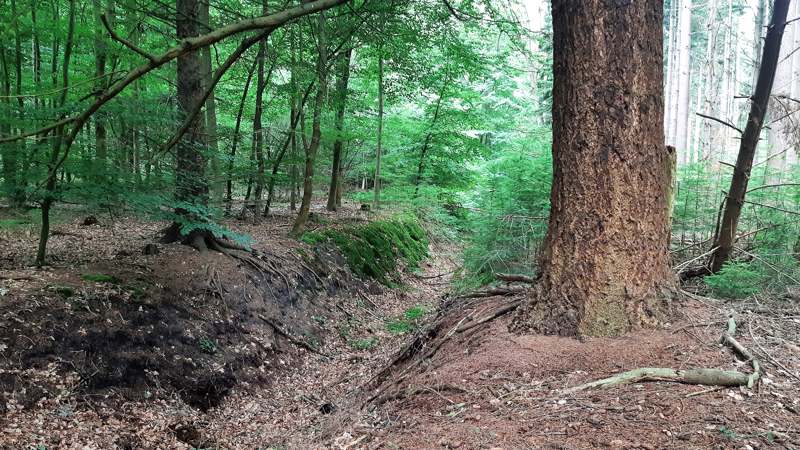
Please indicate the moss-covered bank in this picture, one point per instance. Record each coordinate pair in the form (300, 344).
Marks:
(374, 250)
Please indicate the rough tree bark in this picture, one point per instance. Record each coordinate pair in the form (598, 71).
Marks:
(341, 99)
(747, 148)
(604, 269)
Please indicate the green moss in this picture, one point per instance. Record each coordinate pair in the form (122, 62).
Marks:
(100, 278)
(374, 250)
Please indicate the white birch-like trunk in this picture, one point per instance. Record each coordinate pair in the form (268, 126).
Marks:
(671, 78)
(791, 155)
(684, 69)
(780, 105)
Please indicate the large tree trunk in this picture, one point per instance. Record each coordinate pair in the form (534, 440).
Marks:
(604, 269)
(341, 99)
(191, 186)
(747, 148)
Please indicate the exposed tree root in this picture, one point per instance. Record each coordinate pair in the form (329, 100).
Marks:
(512, 277)
(493, 292)
(707, 377)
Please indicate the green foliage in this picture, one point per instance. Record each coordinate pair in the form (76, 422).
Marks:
(736, 280)
(373, 250)
(100, 278)
(409, 321)
(512, 203)
(208, 345)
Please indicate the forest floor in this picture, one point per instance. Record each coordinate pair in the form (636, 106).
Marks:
(243, 366)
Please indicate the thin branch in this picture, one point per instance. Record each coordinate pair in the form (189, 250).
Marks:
(720, 121)
(772, 186)
(123, 41)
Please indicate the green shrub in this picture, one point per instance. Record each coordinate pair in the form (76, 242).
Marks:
(735, 280)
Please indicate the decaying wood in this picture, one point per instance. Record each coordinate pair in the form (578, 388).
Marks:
(707, 377)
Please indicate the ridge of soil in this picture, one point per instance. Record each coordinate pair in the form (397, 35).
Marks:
(143, 356)
(488, 388)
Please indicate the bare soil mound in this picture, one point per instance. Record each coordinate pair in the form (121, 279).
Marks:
(479, 386)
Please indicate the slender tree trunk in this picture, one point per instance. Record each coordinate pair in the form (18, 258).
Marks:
(681, 126)
(37, 54)
(316, 133)
(377, 199)
(781, 105)
(19, 147)
(341, 99)
(55, 154)
(760, 17)
(294, 112)
(605, 270)
(100, 50)
(258, 132)
(726, 237)
(216, 185)
(672, 68)
(426, 143)
(791, 155)
(8, 151)
(235, 142)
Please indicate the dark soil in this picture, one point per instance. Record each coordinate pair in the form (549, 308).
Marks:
(150, 326)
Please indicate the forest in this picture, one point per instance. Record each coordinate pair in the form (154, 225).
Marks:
(383, 224)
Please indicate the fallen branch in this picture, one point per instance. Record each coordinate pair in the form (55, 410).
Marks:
(513, 277)
(706, 377)
(291, 338)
